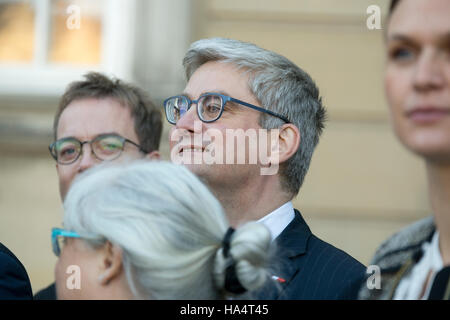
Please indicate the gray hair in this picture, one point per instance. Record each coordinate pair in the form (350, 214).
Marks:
(280, 86)
(170, 228)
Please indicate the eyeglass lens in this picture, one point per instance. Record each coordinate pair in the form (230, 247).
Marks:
(209, 107)
(104, 147)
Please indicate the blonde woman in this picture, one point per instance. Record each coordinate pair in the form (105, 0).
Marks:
(415, 263)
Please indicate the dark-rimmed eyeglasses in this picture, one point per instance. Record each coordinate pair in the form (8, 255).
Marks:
(105, 147)
(210, 107)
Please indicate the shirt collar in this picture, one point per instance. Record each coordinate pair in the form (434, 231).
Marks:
(278, 220)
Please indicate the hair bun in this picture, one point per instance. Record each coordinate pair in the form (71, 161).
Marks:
(241, 262)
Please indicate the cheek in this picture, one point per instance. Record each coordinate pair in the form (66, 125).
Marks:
(396, 90)
(393, 89)
(62, 291)
(172, 138)
(75, 275)
(65, 175)
(59, 273)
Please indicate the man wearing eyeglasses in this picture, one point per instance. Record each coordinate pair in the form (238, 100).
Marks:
(234, 91)
(100, 119)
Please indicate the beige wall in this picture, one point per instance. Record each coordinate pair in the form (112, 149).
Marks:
(29, 208)
(362, 185)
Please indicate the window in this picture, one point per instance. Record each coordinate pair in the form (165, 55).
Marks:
(45, 44)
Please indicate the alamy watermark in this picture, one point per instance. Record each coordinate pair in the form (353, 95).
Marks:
(74, 20)
(215, 146)
(373, 21)
(374, 280)
(74, 280)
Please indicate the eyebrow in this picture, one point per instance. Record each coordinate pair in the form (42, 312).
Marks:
(219, 91)
(205, 92)
(100, 134)
(232, 106)
(443, 39)
(401, 38)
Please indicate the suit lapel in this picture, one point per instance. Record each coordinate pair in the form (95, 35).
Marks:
(294, 238)
(291, 243)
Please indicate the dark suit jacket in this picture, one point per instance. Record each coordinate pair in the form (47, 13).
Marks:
(48, 293)
(311, 268)
(14, 281)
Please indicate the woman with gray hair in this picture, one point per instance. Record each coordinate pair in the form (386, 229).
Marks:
(152, 230)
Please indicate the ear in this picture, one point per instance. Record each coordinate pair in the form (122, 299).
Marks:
(154, 155)
(288, 143)
(111, 263)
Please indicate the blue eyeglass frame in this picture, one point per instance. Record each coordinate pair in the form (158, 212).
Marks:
(225, 99)
(64, 233)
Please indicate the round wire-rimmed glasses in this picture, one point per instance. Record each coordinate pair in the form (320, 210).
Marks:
(105, 147)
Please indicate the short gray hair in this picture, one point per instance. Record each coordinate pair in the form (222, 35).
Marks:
(280, 86)
(170, 228)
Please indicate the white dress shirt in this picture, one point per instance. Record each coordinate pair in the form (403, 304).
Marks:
(411, 287)
(279, 219)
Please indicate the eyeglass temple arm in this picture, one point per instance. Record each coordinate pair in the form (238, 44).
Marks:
(65, 233)
(50, 148)
(138, 146)
(259, 109)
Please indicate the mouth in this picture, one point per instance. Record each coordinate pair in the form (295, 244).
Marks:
(191, 148)
(427, 114)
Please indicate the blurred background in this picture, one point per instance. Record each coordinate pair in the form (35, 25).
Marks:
(362, 185)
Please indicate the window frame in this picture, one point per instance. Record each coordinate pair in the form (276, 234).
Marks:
(116, 56)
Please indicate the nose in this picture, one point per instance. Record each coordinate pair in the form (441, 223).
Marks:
(428, 74)
(188, 119)
(87, 158)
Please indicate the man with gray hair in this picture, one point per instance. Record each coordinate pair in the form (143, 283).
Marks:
(250, 138)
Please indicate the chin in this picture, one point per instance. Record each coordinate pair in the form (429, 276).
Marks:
(200, 170)
(430, 143)
(437, 156)
(431, 150)
(213, 175)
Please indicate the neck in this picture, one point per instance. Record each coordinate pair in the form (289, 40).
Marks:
(439, 192)
(252, 201)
